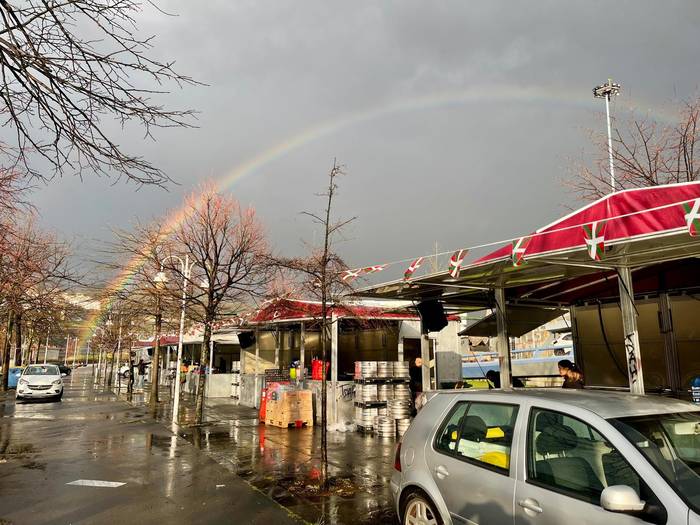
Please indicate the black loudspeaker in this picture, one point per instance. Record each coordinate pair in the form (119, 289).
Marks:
(246, 339)
(432, 315)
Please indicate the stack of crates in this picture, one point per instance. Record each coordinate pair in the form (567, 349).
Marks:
(289, 408)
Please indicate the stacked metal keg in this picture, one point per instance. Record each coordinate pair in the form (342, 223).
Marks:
(401, 369)
(365, 369)
(402, 391)
(402, 426)
(399, 409)
(385, 427)
(385, 369)
(366, 417)
(385, 392)
(365, 393)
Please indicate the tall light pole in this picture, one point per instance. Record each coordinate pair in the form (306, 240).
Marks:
(606, 91)
(46, 349)
(186, 269)
(65, 354)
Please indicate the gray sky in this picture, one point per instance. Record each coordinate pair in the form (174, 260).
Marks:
(455, 120)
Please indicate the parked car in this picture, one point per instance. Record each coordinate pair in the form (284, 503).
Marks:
(40, 382)
(65, 370)
(547, 457)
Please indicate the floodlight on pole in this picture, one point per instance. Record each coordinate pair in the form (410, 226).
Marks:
(606, 91)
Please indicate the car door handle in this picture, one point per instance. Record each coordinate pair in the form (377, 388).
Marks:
(531, 505)
(441, 471)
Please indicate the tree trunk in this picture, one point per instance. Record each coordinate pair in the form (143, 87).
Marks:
(18, 339)
(201, 378)
(324, 396)
(155, 362)
(6, 348)
(111, 371)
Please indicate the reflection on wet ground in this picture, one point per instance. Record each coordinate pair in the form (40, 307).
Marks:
(281, 462)
(91, 436)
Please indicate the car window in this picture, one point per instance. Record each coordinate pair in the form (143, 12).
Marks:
(570, 456)
(44, 370)
(479, 432)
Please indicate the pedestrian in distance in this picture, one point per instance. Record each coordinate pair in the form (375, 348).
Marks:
(573, 377)
(494, 380)
(141, 368)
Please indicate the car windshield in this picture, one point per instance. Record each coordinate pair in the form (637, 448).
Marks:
(45, 370)
(671, 442)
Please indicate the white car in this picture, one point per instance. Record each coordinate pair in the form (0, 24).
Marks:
(40, 382)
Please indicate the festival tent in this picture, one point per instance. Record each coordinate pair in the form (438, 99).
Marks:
(629, 242)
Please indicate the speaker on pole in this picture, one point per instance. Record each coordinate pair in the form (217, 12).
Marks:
(246, 339)
(432, 315)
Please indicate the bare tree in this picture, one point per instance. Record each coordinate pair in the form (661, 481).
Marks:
(139, 255)
(35, 275)
(70, 66)
(319, 276)
(645, 153)
(227, 246)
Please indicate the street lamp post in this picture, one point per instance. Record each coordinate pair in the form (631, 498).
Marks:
(65, 354)
(186, 268)
(46, 349)
(605, 91)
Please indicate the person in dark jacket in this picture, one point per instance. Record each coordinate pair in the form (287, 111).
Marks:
(573, 377)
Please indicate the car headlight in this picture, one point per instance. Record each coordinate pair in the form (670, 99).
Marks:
(23, 382)
(57, 382)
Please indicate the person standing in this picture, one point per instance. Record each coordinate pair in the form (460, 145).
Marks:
(573, 377)
(141, 367)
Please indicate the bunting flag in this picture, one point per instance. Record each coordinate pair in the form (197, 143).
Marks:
(375, 268)
(518, 252)
(456, 263)
(351, 275)
(594, 234)
(411, 269)
(692, 217)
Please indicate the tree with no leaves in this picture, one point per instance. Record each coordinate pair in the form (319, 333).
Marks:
(67, 68)
(319, 275)
(645, 153)
(231, 265)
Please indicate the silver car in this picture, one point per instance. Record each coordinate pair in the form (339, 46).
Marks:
(549, 457)
(40, 382)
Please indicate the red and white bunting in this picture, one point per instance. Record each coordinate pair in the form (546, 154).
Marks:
(518, 252)
(350, 275)
(411, 269)
(456, 263)
(375, 268)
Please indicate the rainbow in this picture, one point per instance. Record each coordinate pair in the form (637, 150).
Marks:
(511, 94)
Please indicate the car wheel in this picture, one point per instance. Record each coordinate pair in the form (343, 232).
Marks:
(419, 510)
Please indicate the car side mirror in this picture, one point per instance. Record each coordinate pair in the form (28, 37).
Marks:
(622, 499)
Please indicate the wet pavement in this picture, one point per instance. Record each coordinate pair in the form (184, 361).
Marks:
(281, 462)
(94, 437)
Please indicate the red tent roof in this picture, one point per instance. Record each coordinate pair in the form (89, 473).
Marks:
(628, 215)
(164, 340)
(284, 310)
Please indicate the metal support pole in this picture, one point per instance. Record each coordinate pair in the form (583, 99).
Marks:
(673, 373)
(425, 357)
(46, 349)
(633, 354)
(180, 338)
(75, 349)
(65, 355)
(257, 365)
(277, 346)
(119, 355)
(610, 152)
(334, 368)
(399, 349)
(502, 342)
(87, 355)
(302, 351)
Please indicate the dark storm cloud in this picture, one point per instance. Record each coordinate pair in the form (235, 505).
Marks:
(458, 174)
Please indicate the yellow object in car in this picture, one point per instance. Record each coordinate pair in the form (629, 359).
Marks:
(497, 459)
(494, 433)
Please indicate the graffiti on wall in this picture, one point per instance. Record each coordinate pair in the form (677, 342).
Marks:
(631, 358)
